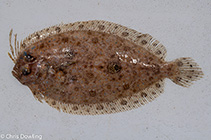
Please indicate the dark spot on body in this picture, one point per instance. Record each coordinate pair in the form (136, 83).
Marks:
(85, 100)
(75, 108)
(65, 39)
(114, 67)
(120, 95)
(76, 89)
(89, 33)
(158, 52)
(101, 27)
(134, 73)
(179, 63)
(156, 68)
(135, 102)
(58, 29)
(101, 100)
(123, 102)
(144, 42)
(189, 76)
(113, 55)
(126, 48)
(153, 93)
(39, 74)
(143, 94)
(101, 67)
(109, 47)
(90, 56)
(108, 86)
(120, 76)
(125, 34)
(134, 90)
(99, 107)
(158, 85)
(23, 45)
(113, 108)
(103, 34)
(95, 40)
(90, 75)
(151, 78)
(62, 93)
(42, 46)
(53, 103)
(154, 44)
(150, 58)
(80, 26)
(86, 81)
(92, 93)
(37, 36)
(126, 86)
(73, 78)
(34, 93)
(178, 78)
(140, 36)
(169, 69)
(78, 43)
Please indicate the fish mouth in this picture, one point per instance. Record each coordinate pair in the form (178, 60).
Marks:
(15, 74)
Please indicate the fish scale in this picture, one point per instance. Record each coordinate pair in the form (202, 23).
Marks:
(96, 67)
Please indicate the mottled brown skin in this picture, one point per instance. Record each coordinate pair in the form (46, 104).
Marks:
(87, 67)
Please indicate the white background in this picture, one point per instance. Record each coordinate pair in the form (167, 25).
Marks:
(184, 27)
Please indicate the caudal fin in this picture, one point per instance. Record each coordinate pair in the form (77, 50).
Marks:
(187, 71)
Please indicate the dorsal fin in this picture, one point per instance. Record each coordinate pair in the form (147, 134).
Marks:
(152, 45)
(144, 40)
(120, 105)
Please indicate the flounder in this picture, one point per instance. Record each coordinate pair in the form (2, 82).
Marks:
(96, 67)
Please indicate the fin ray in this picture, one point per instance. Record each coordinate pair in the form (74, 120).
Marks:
(187, 72)
(119, 105)
(143, 40)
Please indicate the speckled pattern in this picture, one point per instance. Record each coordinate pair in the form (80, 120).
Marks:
(71, 69)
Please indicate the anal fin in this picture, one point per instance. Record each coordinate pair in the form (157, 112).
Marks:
(120, 105)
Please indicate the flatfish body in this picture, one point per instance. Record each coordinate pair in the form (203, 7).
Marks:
(96, 67)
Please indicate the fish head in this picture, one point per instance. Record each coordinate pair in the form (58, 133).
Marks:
(26, 68)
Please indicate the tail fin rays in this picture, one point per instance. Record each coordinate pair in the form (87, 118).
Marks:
(187, 71)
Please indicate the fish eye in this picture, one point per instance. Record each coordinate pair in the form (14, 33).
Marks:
(26, 71)
(29, 58)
